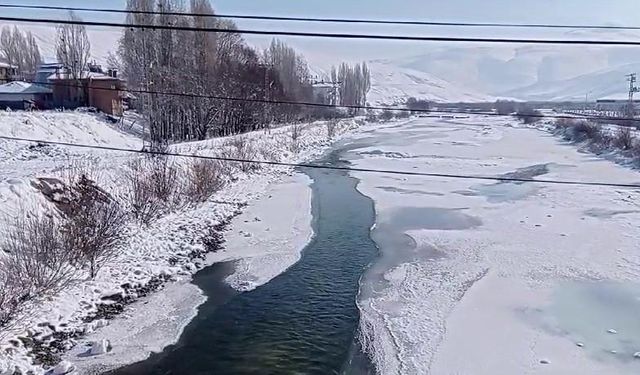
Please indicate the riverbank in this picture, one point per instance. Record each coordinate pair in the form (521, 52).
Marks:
(262, 242)
(159, 253)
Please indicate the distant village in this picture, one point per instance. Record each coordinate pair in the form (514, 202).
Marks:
(53, 86)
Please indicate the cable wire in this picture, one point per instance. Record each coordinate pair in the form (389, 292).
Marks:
(319, 19)
(330, 167)
(341, 106)
(329, 35)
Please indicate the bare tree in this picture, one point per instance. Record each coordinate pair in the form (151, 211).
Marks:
(21, 50)
(9, 49)
(73, 48)
(32, 57)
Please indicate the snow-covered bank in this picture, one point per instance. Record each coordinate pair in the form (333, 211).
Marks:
(162, 250)
(264, 240)
(472, 290)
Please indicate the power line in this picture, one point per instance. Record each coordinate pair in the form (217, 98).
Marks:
(318, 19)
(320, 166)
(343, 106)
(329, 35)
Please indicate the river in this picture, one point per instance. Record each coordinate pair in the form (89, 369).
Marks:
(304, 320)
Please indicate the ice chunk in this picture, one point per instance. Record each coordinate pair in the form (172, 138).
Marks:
(636, 355)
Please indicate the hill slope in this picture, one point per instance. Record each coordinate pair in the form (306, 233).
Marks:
(391, 84)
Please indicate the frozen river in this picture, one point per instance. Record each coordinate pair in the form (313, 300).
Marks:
(478, 277)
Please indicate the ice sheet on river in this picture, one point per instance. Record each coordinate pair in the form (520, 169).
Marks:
(453, 298)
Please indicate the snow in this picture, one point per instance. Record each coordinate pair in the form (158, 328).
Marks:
(485, 299)
(99, 347)
(63, 368)
(18, 87)
(394, 85)
(277, 221)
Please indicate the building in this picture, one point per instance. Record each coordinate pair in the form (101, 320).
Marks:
(22, 96)
(92, 89)
(326, 92)
(8, 72)
(45, 70)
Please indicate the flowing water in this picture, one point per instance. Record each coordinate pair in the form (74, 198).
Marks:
(302, 322)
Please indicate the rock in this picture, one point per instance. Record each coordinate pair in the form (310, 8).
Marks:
(100, 347)
(544, 361)
(62, 368)
(612, 331)
(614, 352)
(636, 355)
(579, 344)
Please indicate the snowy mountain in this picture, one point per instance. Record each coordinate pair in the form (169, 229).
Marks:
(502, 70)
(391, 84)
(607, 83)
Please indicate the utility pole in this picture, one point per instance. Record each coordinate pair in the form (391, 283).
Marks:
(631, 78)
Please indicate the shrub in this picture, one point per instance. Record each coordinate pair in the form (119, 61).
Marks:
(11, 298)
(585, 130)
(372, 116)
(152, 187)
(386, 115)
(418, 104)
(331, 128)
(204, 178)
(296, 134)
(94, 225)
(240, 148)
(402, 114)
(564, 123)
(623, 138)
(528, 114)
(36, 259)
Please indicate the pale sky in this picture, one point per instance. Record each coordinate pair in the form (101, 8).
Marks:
(610, 12)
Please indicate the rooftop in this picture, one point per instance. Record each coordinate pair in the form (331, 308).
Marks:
(85, 75)
(18, 87)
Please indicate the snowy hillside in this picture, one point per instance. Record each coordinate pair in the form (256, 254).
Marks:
(607, 83)
(501, 70)
(391, 84)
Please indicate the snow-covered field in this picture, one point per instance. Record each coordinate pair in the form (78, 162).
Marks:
(497, 278)
(264, 243)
